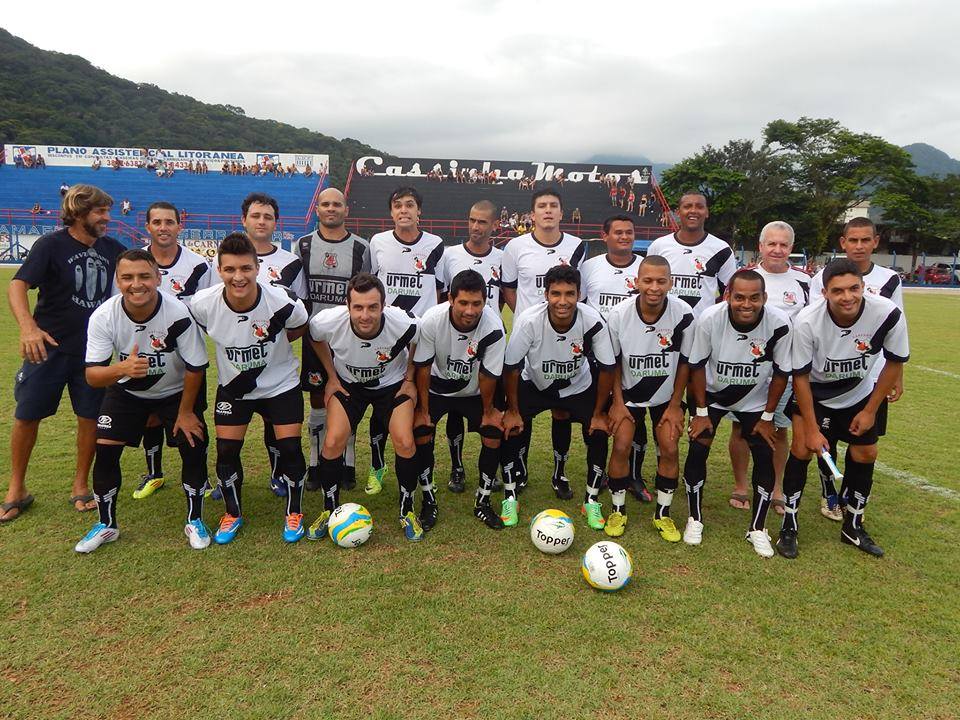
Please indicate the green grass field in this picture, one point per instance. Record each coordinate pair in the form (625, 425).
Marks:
(475, 623)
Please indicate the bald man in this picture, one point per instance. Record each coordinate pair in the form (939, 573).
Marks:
(331, 255)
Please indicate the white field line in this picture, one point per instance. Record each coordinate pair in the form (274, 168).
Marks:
(917, 481)
(955, 376)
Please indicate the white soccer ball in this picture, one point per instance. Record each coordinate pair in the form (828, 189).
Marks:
(551, 531)
(350, 525)
(607, 566)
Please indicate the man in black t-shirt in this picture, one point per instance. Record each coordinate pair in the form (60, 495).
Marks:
(73, 269)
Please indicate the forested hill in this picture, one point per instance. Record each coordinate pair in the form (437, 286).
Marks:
(50, 97)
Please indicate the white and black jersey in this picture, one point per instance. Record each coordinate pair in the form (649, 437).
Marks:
(740, 362)
(169, 339)
(604, 285)
(281, 267)
(188, 273)
(328, 266)
(411, 273)
(788, 292)
(254, 357)
(457, 358)
(369, 363)
(526, 260)
(840, 359)
(701, 272)
(459, 258)
(650, 353)
(878, 281)
(556, 362)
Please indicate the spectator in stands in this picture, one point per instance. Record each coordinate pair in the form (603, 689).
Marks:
(63, 189)
(225, 168)
(307, 170)
(631, 199)
(125, 207)
(116, 164)
(160, 170)
(73, 269)
(18, 161)
(575, 215)
(613, 195)
(96, 163)
(36, 209)
(41, 163)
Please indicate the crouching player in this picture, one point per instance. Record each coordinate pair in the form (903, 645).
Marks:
(739, 363)
(836, 344)
(366, 350)
(251, 324)
(160, 372)
(459, 360)
(553, 342)
(651, 335)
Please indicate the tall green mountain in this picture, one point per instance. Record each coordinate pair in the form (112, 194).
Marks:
(50, 97)
(929, 160)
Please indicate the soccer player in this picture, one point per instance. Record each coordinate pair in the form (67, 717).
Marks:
(159, 373)
(476, 253)
(251, 324)
(73, 269)
(459, 359)
(526, 260)
(331, 255)
(366, 349)
(651, 336)
(553, 341)
(739, 364)
(836, 345)
(410, 264)
(859, 240)
(788, 290)
(182, 273)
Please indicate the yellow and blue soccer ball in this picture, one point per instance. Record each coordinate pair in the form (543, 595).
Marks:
(551, 531)
(350, 525)
(607, 566)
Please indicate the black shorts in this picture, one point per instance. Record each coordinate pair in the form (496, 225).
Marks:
(834, 423)
(656, 413)
(312, 375)
(383, 400)
(283, 409)
(747, 420)
(38, 387)
(470, 408)
(123, 416)
(532, 402)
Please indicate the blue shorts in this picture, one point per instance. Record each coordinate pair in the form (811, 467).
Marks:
(39, 386)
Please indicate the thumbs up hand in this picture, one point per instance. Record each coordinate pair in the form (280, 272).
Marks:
(135, 366)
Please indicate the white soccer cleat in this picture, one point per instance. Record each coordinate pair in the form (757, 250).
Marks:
(197, 534)
(693, 532)
(760, 539)
(97, 536)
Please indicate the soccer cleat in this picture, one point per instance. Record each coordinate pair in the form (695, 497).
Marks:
(429, 512)
(668, 531)
(562, 489)
(197, 534)
(830, 508)
(375, 481)
(859, 538)
(458, 478)
(293, 527)
(229, 527)
(639, 490)
(97, 536)
(693, 532)
(411, 528)
(594, 514)
(616, 524)
(760, 539)
(787, 544)
(508, 512)
(485, 512)
(278, 486)
(149, 484)
(318, 531)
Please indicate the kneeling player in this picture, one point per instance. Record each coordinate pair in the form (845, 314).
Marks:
(651, 336)
(160, 373)
(365, 349)
(459, 360)
(835, 346)
(553, 342)
(739, 363)
(251, 323)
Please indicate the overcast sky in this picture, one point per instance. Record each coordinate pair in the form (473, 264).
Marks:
(550, 80)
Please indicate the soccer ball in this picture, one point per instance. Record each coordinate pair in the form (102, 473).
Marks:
(350, 525)
(551, 531)
(607, 566)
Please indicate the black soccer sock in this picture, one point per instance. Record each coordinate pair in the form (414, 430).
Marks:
(487, 465)
(508, 459)
(153, 450)
(455, 439)
(273, 451)
(194, 477)
(859, 479)
(406, 469)
(794, 480)
(330, 472)
(618, 493)
(106, 482)
(520, 469)
(596, 461)
(293, 469)
(230, 474)
(425, 458)
(560, 433)
(378, 443)
(638, 449)
(665, 489)
(694, 476)
(763, 481)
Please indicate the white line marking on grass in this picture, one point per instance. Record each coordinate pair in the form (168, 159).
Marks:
(939, 372)
(917, 481)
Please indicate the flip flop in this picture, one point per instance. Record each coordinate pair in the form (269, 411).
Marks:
(19, 505)
(84, 499)
(739, 498)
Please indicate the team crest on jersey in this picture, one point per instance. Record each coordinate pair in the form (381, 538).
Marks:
(789, 298)
(472, 348)
(177, 286)
(260, 330)
(329, 260)
(698, 265)
(873, 290)
(862, 345)
(157, 341)
(494, 273)
(418, 264)
(757, 348)
(383, 355)
(273, 272)
(664, 338)
(576, 348)
(630, 283)
(314, 378)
